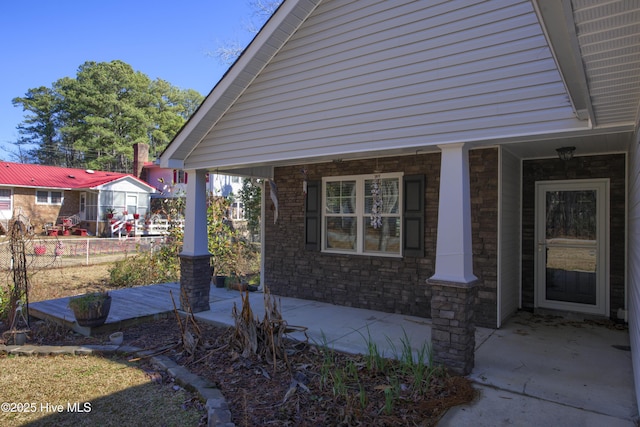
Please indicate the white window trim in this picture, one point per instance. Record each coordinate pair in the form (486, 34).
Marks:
(8, 198)
(360, 214)
(48, 202)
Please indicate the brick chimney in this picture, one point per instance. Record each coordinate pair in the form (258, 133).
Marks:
(140, 157)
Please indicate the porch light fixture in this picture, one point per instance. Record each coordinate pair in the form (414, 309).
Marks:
(565, 153)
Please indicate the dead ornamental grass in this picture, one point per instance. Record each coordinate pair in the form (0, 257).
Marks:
(90, 391)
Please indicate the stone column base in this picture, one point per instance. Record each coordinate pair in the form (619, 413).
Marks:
(453, 332)
(195, 281)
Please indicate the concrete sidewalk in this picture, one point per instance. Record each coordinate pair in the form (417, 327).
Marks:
(533, 371)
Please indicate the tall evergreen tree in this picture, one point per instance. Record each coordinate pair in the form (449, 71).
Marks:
(93, 120)
(40, 126)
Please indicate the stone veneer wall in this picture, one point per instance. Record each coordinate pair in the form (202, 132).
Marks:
(195, 281)
(588, 167)
(395, 285)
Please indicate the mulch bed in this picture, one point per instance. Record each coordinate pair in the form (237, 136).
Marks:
(310, 386)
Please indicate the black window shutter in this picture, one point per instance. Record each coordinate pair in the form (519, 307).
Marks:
(413, 216)
(312, 217)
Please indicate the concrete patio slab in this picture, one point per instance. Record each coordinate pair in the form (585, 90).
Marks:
(502, 408)
(534, 370)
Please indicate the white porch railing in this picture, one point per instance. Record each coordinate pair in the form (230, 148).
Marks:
(142, 227)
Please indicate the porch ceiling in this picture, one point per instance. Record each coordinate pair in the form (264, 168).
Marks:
(585, 145)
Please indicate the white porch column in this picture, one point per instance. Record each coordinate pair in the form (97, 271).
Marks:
(454, 256)
(195, 267)
(453, 286)
(195, 222)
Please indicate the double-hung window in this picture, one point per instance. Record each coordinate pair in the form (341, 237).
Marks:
(363, 214)
(5, 199)
(48, 197)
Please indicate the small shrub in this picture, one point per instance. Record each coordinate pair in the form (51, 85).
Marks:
(84, 302)
(4, 303)
(140, 270)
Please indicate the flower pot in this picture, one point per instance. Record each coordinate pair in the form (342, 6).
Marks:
(18, 337)
(219, 281)
(116, 338)
(109, 215)
(136, 216)
(93, 313)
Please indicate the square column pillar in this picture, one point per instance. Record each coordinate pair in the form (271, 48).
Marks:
(453, 289)
(195, 269)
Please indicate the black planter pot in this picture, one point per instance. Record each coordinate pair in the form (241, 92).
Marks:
(219, 281)
(95, 314)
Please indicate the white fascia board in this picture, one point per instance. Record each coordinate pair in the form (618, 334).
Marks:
(169, 163)
(246, 68)
(38, 187)
(251, 172)
(558, 26)
(135, 182)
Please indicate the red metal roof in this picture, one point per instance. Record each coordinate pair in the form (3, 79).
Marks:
(28, 175)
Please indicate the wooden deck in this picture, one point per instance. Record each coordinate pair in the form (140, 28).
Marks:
(128, 306)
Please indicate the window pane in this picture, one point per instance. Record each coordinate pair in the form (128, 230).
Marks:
(333, 189)
(42, 196)
(389, 193)
(340, 197)
(5, 199)
(333, 205)
(56, 197)
(341, 232)
(383, 239)
(348, 196)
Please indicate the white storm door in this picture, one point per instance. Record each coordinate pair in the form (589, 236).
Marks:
(572, 245)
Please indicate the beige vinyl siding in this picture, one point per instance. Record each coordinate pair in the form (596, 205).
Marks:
(394, 75)
(509, 236)
(633, 260)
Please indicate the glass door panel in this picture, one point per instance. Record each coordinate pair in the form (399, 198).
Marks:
(571, 265)
(571, 246)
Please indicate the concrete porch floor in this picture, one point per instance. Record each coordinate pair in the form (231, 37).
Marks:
(533, 371)
(541, 370)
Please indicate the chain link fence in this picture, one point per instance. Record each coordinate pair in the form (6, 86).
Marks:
(52, 253)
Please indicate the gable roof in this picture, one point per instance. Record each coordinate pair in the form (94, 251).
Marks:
(41, 176)
(325, 80)
(273, 35)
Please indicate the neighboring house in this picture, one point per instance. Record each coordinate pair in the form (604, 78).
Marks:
(64, 198)
(171, 183)
(426, 137)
